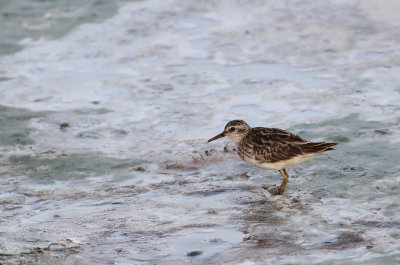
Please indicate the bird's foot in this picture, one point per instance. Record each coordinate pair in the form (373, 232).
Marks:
(267, 186)
(273, 189)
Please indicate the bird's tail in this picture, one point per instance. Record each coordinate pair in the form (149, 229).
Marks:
(308, 148)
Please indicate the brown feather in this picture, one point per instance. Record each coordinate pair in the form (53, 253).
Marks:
(270, 144)
(273, 145)
(307, 148)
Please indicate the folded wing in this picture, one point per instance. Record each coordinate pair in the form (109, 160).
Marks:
(273, 145)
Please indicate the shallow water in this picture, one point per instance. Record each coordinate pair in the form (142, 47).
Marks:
(25, 23)
(104, 129)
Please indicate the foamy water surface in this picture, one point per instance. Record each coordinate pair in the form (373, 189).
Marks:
(103, 136)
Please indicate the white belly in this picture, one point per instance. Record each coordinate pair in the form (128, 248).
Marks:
(280, 164)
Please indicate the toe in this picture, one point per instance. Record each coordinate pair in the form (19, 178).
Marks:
(267, 186)
(275, 191)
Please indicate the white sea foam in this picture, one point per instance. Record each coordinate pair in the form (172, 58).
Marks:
(147, 87)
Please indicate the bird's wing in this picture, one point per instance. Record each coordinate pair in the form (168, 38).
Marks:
(271, 144)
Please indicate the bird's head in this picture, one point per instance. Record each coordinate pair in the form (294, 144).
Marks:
(234, 130)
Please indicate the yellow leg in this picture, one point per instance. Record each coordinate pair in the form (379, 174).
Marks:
(278, 190)
(282, 187)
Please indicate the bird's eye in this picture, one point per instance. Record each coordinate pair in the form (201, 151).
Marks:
(232, 129)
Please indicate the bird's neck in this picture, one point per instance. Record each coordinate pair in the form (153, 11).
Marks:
(238, 138)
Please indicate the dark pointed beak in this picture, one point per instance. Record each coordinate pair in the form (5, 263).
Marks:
(217, 137)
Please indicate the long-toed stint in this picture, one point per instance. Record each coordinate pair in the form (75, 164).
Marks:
(271, 148)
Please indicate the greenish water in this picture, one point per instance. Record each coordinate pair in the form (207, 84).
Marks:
(65, 167)
(48, 166)
(28, 21)
(364, 156)
(14, 125)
